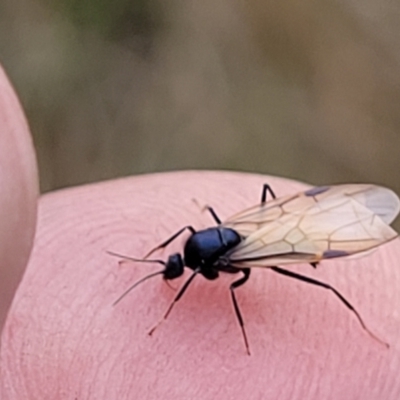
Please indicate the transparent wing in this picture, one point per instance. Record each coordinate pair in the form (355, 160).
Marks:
(320, 223)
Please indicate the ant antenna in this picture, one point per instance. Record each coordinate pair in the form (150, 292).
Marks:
(161, 272)
(127, 258)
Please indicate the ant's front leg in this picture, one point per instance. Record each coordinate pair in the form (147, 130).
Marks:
(169, 240)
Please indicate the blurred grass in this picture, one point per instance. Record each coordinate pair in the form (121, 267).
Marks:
(112, 20)
(308, 90)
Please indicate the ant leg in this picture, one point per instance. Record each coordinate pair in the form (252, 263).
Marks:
(234, 285)
(266, 189)
(182, 290)
(314, 264)
(326, 286)
(210, 210)
(168, 241)
(213, 214)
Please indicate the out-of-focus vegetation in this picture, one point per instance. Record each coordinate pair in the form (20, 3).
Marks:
(113, 20)
(309, 90)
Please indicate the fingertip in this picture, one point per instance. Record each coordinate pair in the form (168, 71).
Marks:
(298, 335)
(18, 195)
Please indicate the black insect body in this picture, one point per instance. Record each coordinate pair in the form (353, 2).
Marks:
(206, 249)
(320, 223)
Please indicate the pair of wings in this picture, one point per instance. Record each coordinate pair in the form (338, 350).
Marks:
(320, 223)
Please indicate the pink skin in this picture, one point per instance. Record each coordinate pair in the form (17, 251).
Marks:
(18, 194)
(63, 339)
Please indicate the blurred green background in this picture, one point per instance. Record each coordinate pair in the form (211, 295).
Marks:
(302, 89)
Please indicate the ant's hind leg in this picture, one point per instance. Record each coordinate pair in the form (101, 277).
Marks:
(337, 294)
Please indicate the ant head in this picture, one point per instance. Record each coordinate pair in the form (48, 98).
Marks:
(174, 267)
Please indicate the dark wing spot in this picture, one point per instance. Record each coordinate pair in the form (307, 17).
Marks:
(334, 253)
(316, 190)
